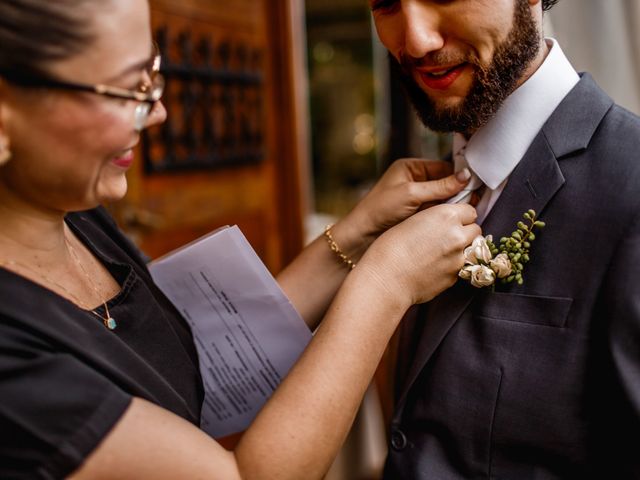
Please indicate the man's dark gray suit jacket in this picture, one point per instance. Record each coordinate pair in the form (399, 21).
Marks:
(539, 381)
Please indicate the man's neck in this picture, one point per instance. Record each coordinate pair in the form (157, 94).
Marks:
(536, 63)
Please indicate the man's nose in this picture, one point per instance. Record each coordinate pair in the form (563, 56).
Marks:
(422, 29)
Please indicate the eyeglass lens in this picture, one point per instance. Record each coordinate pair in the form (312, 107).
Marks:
(156, 87)
(141, 115)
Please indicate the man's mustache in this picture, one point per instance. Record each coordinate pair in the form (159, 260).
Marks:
(434, 59)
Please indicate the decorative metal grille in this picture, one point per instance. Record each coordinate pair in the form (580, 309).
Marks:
(214, 98)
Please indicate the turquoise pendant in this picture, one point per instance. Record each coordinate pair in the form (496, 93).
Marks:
(110, 323)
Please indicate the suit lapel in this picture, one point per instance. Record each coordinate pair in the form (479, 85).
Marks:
(533, 183)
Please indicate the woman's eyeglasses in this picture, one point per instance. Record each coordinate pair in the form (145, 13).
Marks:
(148, 93)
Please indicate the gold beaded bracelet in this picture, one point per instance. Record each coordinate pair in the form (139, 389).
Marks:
(336, 249)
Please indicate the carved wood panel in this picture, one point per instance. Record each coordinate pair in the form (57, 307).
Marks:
(232, 150)
(214, 96)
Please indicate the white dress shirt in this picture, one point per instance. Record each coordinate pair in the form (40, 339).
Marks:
(495, 149)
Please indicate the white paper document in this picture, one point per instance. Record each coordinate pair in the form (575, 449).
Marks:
(247, 333)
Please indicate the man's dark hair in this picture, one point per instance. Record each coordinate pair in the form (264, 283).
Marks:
(34, 33)
(547, 4)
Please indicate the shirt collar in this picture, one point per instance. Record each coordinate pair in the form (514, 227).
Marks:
(495, 149)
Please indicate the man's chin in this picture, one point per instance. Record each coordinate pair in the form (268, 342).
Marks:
(447, 107)
(446, 119)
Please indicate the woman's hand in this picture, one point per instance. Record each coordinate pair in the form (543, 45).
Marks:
(408, 186)
(421, 257)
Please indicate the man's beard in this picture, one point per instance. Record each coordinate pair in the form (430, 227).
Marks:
(491, 84)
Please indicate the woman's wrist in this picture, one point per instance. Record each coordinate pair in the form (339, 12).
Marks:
(379, 283)
(353, 240)
(335, 248)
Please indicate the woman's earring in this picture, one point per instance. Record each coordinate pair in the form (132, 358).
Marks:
(5, 153)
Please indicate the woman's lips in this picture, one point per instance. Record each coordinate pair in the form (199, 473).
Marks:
(125, 160)
(443, 79)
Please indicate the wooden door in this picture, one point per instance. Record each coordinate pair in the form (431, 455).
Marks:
(232, 150)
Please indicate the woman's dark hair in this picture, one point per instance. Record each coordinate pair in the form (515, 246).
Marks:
(547, 4)
(34, 33)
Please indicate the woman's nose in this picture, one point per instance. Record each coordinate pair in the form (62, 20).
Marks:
(157, 115)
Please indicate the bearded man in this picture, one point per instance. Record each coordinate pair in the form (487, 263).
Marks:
(538, 378)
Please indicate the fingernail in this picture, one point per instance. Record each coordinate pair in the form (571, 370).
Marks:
(463, 175)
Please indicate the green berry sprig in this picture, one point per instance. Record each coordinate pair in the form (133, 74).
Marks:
(518, 245)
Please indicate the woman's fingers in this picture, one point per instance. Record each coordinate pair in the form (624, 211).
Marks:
(442, 188)
(407, 187)
(421, 170)
(466, 213)
(437, 169)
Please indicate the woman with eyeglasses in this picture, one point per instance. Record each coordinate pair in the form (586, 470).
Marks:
(98, 373)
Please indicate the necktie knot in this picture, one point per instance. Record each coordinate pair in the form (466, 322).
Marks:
(476, 195)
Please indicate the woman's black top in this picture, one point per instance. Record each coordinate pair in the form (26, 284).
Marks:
(65, 379)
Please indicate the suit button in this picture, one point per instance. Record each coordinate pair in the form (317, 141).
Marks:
(398, 440)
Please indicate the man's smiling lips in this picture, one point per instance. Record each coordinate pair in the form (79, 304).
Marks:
(441, 77)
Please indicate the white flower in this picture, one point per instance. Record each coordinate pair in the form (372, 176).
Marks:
(480, 275)
(465, 272)
(501, 265)
(479, 251)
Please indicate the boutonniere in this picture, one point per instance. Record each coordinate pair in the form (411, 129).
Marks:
(484, 262)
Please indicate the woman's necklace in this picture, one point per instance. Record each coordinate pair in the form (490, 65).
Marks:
(108, 321)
